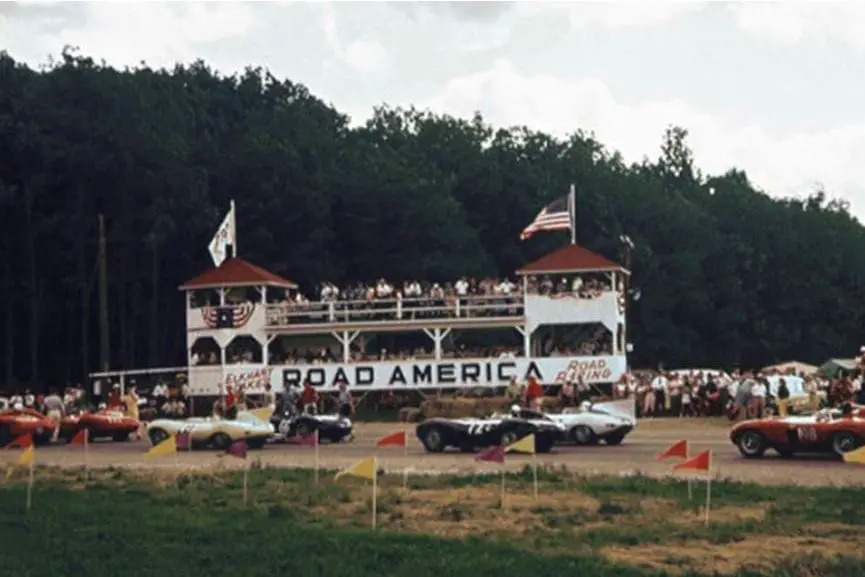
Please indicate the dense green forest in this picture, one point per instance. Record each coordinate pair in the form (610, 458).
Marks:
(728, 275)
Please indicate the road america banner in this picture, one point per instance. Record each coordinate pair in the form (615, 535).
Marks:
(451, 373)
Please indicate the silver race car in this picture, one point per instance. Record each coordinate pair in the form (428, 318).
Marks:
(590, 422)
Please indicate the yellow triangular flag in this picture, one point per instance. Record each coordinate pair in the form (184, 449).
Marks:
(365, 469)
(26, 459)
(856, 456)
(524, 445)
(262, 414)
(166, 447)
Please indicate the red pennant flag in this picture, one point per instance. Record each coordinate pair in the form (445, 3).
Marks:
(22, 441)
(237, 449)
(310, 440)
(492, 455)
(393, 440)
(80, 438)
(701, 462)
(678, 450)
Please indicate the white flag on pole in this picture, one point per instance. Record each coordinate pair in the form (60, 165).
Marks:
(225, 235)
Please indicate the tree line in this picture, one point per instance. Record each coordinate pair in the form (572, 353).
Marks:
(728, 275)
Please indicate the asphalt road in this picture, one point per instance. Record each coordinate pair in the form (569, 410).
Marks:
(637, 454)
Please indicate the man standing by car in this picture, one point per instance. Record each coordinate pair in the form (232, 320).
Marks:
(55, 409)
(310, 399)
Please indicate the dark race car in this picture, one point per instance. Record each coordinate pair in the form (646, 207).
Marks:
(333, 428)
(469, 434)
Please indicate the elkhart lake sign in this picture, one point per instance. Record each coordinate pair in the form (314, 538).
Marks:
(419, 374)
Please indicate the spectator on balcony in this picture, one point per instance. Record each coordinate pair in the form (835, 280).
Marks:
(383, 290)
(506, 287)
(329, 292)
(412, 290)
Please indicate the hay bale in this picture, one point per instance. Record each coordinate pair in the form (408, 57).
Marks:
(409, 415)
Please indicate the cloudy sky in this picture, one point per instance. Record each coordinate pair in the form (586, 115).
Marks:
(776, 89)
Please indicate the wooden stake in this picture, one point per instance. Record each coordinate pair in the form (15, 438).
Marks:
(374, 490)
(30, 488)
(535, 474)
(316, 456)
(502, 498)
(405, 467)
(246, 484)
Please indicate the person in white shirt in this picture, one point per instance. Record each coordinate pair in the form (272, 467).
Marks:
(758, 399)
(660, 385)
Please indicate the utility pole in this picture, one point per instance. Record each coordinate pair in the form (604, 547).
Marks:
(104, 335)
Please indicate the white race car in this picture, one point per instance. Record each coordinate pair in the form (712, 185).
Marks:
(213, 431)
(590, 423)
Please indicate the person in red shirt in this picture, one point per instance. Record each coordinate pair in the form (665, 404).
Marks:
(114, 400)
(310, 398)
(534, 394)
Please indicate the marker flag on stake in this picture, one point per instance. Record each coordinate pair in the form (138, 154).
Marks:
(166, 447)
(701, 462)
(398, 439)
(855, 456)
(678, 450)
(183, 439)
(26, 459)
(365, 469)
(82, 438)
(310, 440)
(527, 445)
(21, 441)
(493, 455)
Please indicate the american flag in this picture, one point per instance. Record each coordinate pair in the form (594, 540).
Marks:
(558, 215)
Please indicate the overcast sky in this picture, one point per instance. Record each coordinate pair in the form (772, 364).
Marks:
(776, 89)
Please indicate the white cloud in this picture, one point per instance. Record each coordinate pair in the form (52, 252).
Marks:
(782, 165)
(613, 15)
(127, 33)
(364, 56)
(790, 23)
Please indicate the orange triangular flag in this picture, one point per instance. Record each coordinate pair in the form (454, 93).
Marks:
(393, 440)
(80, 438)
(22, 441)
(701, 462)
(678, 450)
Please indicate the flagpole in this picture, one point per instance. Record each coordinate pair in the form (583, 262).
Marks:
(86, 452)
(708, 488)
(535, 473)
(316, 456)
(572, 212)
(502, 498)
(374, 490)
(30, 488)
(690, 480)
(245, 483)
(233, 230)
(405, 454)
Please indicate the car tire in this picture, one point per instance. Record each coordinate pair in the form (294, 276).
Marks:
(844, 442)
(220, 441)
(544, 446)
(433, 440)
(157, 436)
(614, 439)
(583, 435)
(751, 444)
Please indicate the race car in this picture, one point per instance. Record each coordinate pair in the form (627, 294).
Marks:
(590, 423)
(333, 428)
(826, 431)
(469, 434)
(16, 422)
(214, 432)
(102, 424)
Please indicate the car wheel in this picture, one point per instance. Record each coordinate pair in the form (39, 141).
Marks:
(303, 429)
(583, 435)
(751, 444)
(156, 436)
(220, 441)
(844, 442)
(433, 441)
(467, 448)
(614, 439)
(509, 438)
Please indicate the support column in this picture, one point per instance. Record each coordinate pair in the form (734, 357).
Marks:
(437, 336)
(265, 349)
(527, 339)
(345, 338)
(222, 297)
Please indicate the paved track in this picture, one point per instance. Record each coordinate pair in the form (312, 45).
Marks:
(636, 454)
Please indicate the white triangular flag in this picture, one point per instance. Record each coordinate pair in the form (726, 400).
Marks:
(225, 235)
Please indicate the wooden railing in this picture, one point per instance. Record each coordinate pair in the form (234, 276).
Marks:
(394, 310)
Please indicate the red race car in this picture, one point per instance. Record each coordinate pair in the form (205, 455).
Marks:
(17, 422)
(835, 431)
(101, 425)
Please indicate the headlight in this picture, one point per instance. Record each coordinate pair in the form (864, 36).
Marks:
(345, 423)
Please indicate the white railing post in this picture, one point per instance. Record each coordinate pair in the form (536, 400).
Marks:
(399, 309)
(331, 311)
(457, 309)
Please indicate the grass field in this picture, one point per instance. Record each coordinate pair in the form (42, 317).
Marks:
(169, 523)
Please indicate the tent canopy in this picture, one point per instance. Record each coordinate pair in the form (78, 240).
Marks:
(837, 367)
(800, 368)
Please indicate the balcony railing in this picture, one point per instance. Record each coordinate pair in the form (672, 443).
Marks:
(393, 310)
